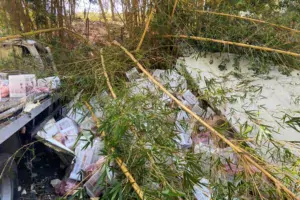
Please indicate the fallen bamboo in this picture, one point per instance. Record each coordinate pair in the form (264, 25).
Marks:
(30, 33)
(106, 75)
(146, 28)
(124, 169)
(249, 19)
(43, 31)
(135, 186)
(234, 44)
(237, 149)
(174, 9)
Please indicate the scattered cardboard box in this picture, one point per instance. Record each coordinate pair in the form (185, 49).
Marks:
(49, 82)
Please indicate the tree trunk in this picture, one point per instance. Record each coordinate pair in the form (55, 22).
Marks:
(59, 5)
(14, 16)
(143, 12)
(112, 7)
(135, 9)
(105, 20)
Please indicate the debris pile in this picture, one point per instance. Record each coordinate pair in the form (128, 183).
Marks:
(74, 133)
(81, 134)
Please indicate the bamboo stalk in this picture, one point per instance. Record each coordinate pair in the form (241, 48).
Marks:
(173, 11)
(237, 149)
(146, 28)
(249, 19)
(30, 33)
(124, 169)
(95, 119)
(43, 31)
(105, 20)
(106, 75)
(135, 186)
(234, 44)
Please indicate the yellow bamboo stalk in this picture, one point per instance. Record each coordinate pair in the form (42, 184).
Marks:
(122, 166)
(92, 113)
(135, 186)
(173, 11)
(146, 28)
(249, 19)
(237, 149)
(106, 75)
(43, 31)
(234, 44)
(30, 33)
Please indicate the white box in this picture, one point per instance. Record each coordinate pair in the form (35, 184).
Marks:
(66, 123)
(71, 135)
(49, 82)
(92, 185)
(85, 157)
(50, 128)
(182, 116)
(132, 74)
(83, 160)
(198, 110)
(69, 129)
(190, 97)
(78, 114)
(21, 85)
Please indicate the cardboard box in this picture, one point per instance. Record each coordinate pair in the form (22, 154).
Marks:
(49, 82)
(190, 97)
(85, 157)
(78, 114)
(69, 129)
(50, 128)
(132, 74)
(92, 186)
(21, 85)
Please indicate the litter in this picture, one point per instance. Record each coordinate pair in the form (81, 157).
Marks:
(77, 114)
(184, 140)
(29, 106)
(92, 186)
(85, 157)
(69, 130)
(65, 187)
(201, 191)
(182, 116)
(55, 182)
(88, 124)
(23, 192)
(49, 82)
(142, 86)
(189, 97)
(132, 74)
(21, 85)
(198, 110)
(209, 113)
(50, 128)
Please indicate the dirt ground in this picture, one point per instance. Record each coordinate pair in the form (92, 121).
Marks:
(95, 31)
(36, 172)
